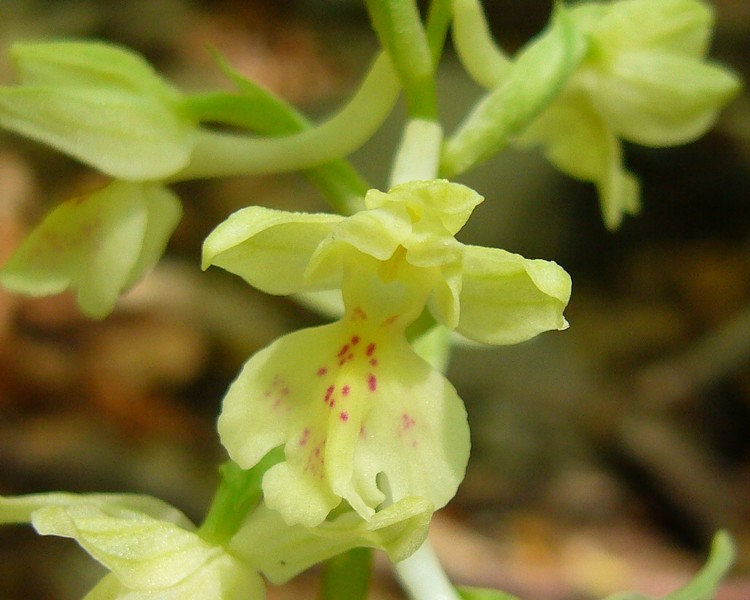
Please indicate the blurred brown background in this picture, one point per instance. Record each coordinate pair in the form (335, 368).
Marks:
(604, 457)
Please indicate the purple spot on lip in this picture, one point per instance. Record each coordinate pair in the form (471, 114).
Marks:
(372, 382)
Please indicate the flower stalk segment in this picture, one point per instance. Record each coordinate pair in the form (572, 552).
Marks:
(401, 33)
(220, 154)
(480, 55)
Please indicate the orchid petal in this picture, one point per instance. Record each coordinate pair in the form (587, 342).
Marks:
(98, 244)
(661, 99)
(270, 249)
(453, 203)
(506, 299)
(365, 404)
(281, 551)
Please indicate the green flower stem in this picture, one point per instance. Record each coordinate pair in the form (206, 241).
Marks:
(261, 111)
(218, 154)
(535, 77)
(417, 158)
(347, 575)
(399, 27)
(341, 184)
(483, 60)
(418, 154)
(705, 584)
(239, 492)
(423, 577)
(438, 21)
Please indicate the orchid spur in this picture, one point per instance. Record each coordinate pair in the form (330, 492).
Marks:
(362, 416)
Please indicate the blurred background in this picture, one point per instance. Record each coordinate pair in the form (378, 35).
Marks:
(605, 457)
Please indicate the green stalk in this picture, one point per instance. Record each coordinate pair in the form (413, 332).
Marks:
(483, 60)
(217, 154)
(239, 492)
(399, 27)
(438, 21)
(347, 576)
(533, 80)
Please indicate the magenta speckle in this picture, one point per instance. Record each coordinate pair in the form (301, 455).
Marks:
(322, 371)
(372, 382)
(370, 349)
(345, 390)
(355, 340)
(305, 437)
(344, 416)
(329, 396)
(407, 422)
(344, 350)
(374, 362)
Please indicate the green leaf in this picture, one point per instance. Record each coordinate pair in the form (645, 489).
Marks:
(705, 584)
(18, 509)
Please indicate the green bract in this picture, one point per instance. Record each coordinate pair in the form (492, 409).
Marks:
(102, 104)
(281, 551)
(155, 553)
(99, 245)
(150, 548)
(644, 79)
(352, 400)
